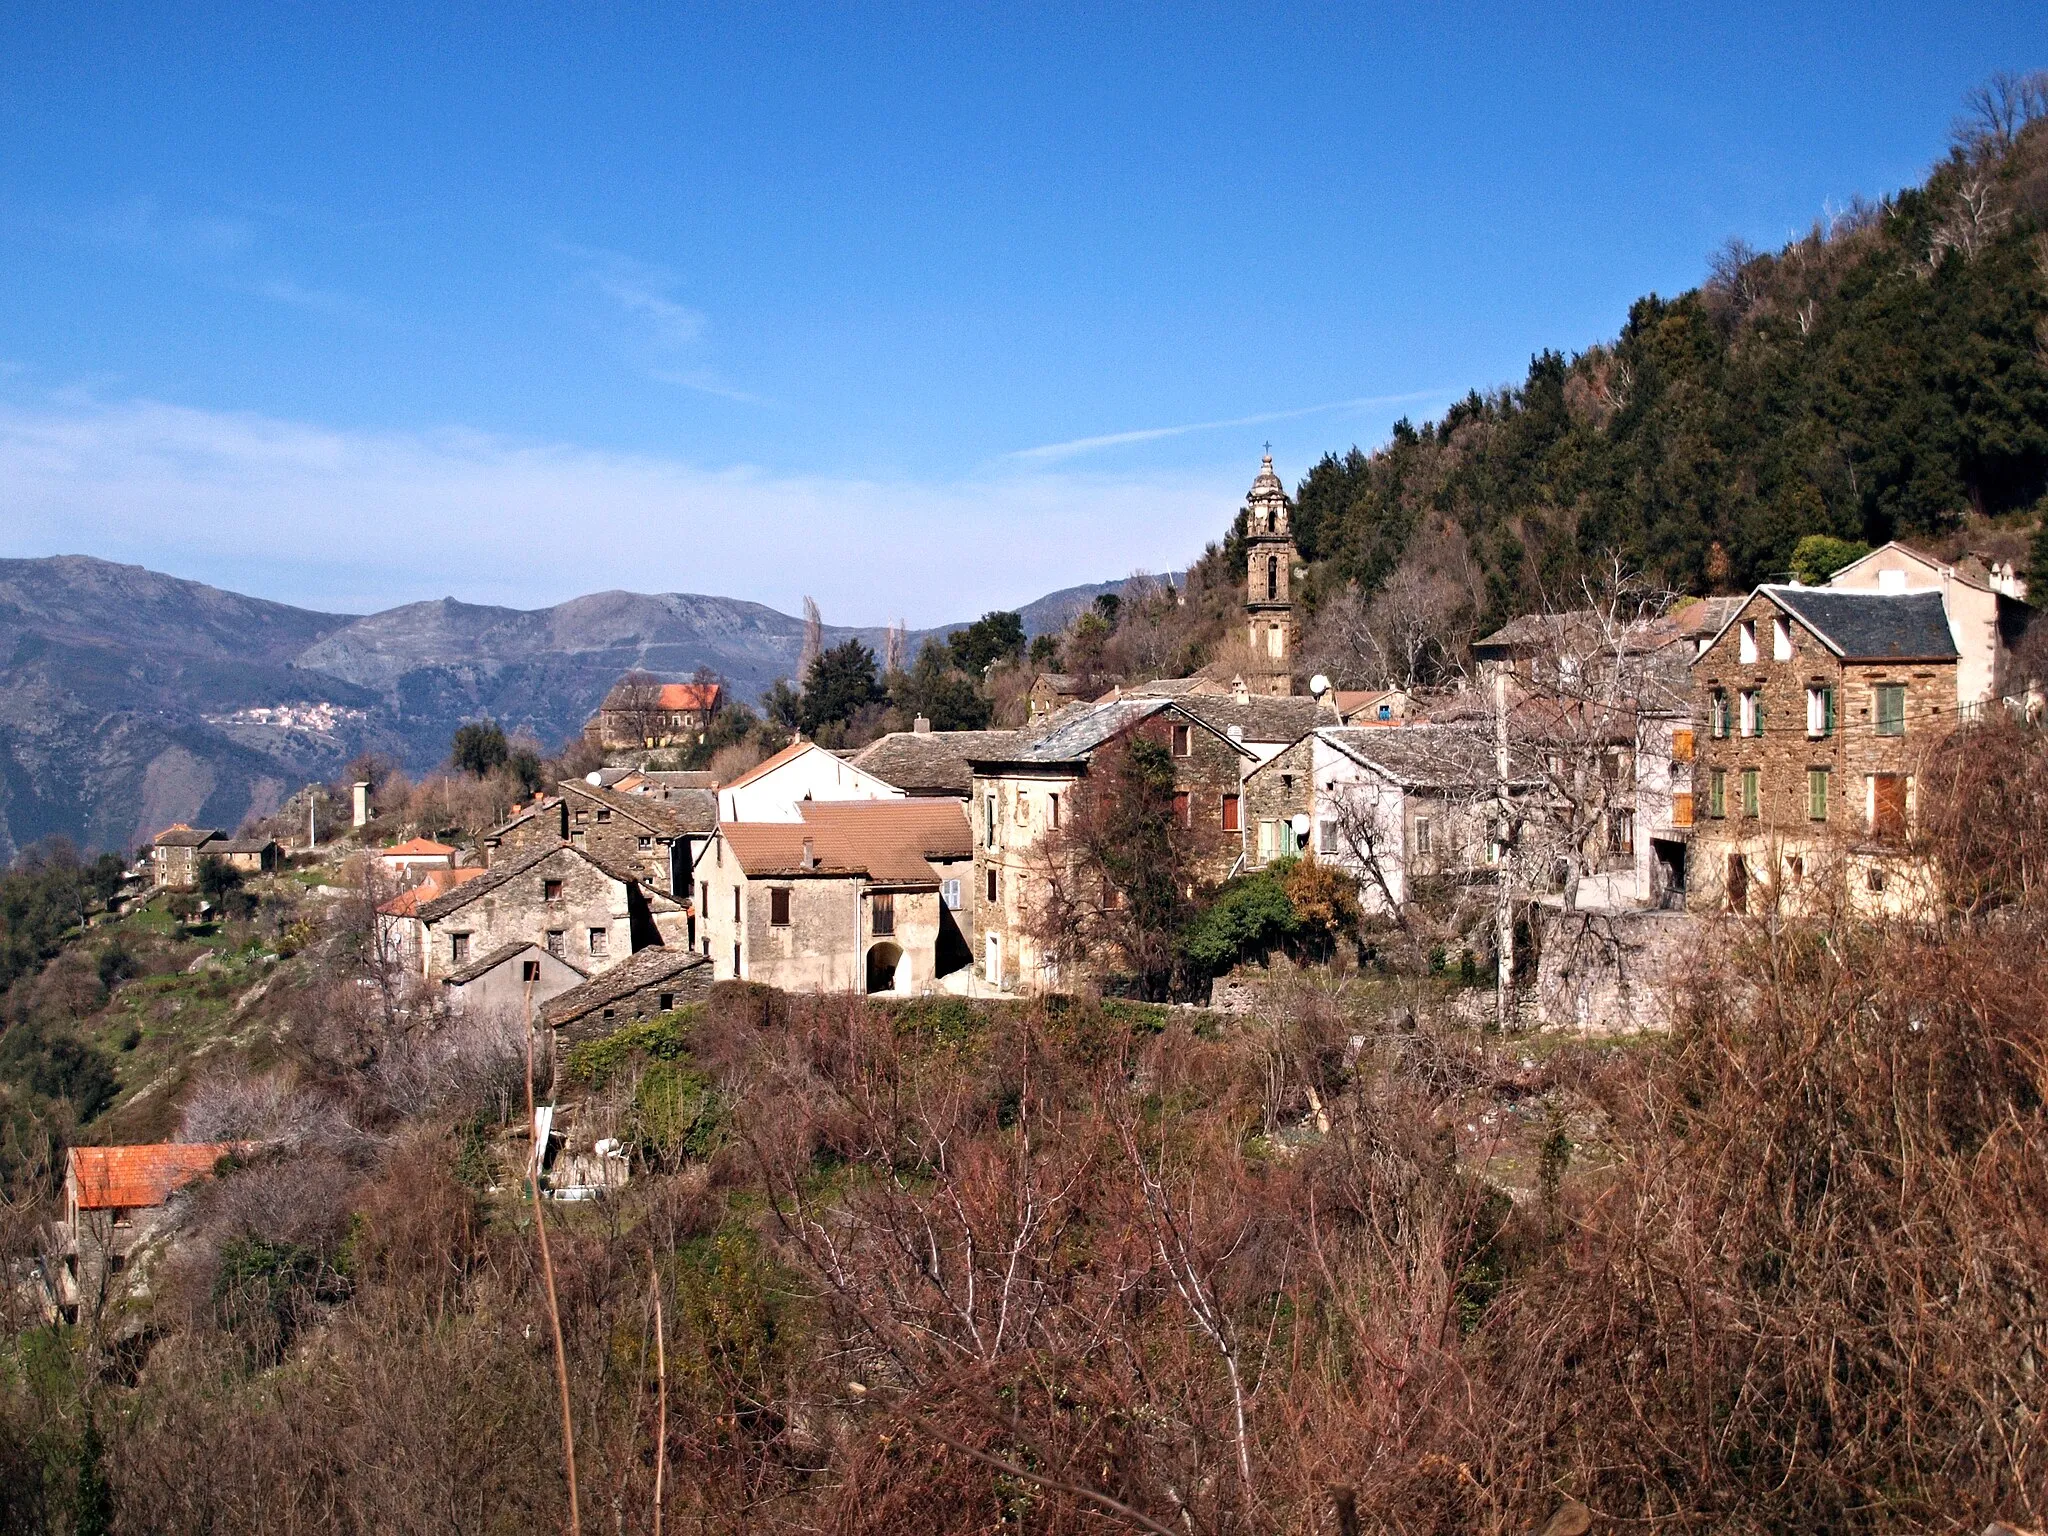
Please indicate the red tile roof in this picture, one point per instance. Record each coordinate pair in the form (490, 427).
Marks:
(121, 1178)
(688, 696)
(437, 883)
(889, 841)
(419, 848)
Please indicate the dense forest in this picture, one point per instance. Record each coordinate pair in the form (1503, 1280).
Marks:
(1884, 376)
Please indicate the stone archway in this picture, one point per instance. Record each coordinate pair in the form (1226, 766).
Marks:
(884, 960)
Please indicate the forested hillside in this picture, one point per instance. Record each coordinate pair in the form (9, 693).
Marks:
(1884, 376)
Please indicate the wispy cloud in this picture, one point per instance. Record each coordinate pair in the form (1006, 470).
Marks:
(643, 291)
(353, 521)
(282, 290)
(140, 223)
(1051, 452)
(705, 382)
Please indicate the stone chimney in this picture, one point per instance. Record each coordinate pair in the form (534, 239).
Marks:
(922, 726)
(362, 789)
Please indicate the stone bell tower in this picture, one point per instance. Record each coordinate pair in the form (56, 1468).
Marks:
(1269, 577)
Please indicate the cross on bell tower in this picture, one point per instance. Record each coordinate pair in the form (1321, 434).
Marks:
(1269, 579)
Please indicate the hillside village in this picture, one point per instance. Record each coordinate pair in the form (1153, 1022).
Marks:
(1337, 1036)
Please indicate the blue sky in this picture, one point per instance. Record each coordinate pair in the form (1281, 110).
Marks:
(918, 311)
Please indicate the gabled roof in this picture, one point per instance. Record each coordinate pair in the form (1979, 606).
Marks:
(182, 836)
(1077, 736)
(693, 810)
(483, 881)
(671, 696)
(1352, 702)
(435, 884)
(1058, 682)
(653, 781)
(502, 955)
(1947, 569)
(416, 848)
(890, 842)
(242, 845)
(643, 968)
(766, 766)
(931, 762)
(1441, 757)
(547, 803)
(125, 1178)
(1271, 721)
(1867, 626)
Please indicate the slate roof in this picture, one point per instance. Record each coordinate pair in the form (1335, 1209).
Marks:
(124, 1178)
(1075, 735)
(889, 841)
(1058, 682)
(655, 780)
(550, 803)
(483, 881)
(680, 812)
(498, 957)
(1871, 626)
(1268, 720)
(242, 845)
(932, 762)
(435, 884)
(182, 836)
(1442, 757)
(647, 967)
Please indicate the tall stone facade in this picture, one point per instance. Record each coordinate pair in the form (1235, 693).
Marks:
(1269, 582)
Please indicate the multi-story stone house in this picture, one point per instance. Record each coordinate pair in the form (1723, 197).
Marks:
(574, 906)
(115, 1199)
(651, 982)
(640, 712)
(1813, 705)
(542, 823)
(1022, 796)
(174, 855)
(855, 895)
(656, 837)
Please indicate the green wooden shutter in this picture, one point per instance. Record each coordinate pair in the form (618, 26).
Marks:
(1827, 711)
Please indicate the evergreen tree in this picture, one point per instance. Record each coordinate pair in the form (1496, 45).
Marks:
(841, 682)
(479, 747)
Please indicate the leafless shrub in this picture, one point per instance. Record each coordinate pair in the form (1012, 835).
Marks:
(227, 1106)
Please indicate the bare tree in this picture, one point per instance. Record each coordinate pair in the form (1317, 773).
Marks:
(1997, 112)
(814, 640)
(632, 711)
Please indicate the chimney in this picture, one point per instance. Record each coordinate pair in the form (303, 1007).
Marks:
(810, 855)
(922, 726)
(362, 788)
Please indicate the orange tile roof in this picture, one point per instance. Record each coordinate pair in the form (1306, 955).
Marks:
(687, 696)
(418, 847)
(120, 1178)
(889, 841)
(437, 883)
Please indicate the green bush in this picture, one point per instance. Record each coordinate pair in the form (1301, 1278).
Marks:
(678, 1114)
(1249, 917)
(665, 1037)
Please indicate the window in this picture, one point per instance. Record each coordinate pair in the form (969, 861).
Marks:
(1888, 804)
(1422, 834)
(1230, 813)
(1269, 839)
(735, 903)
(1752, 712)
(1752, 784)
(600, 941)
(1875, 879)
(1052, 810)
(1891, 708)
(1183, 741)
(1326, 837)
(1276, 643)
(604, 815)
(664, 1001)
(1272, 578)
(949, 893)
(735, 960)
(1717, 713)
(581, 815)
(1621, 831)
(558, 941)
(1023, 809)
(1817, 794)
(991, 884)
(1386, 712)
(529, 970)
(1717, 792)
(1820, 712)
(1781, 640)
(458, 948)
(551, 890)
(703, 895)
(989, 823)
(1748, 640)
(646, 842)
(778, 906)
(884, 911)
(1183, 808)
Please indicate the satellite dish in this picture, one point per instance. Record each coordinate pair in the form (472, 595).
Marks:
(1300, 824)
(593, 777)
(1318, 685)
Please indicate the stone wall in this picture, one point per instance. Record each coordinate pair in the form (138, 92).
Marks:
(1612, 972)
(1278, 791)
(588, 902)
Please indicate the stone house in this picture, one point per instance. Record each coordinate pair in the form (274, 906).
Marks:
(802, 772)
(1278, 805)
(500, 981)
(650, 982)
(115, 1199)
(641, 714)
(855, 896)
(1397, 807)
(1987, 612)
(1052, 692)
(245, 855)
(657, 837)
(572, 905)
(1813, 704)
(1021, 796)
(174, 855)
(541, 824)
(929, 763)
(1371, 706)
(404, 862)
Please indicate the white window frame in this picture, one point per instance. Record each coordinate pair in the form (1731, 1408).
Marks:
(1781, 639)
(1746, 639)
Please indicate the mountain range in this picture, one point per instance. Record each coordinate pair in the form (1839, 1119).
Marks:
(131, 699)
